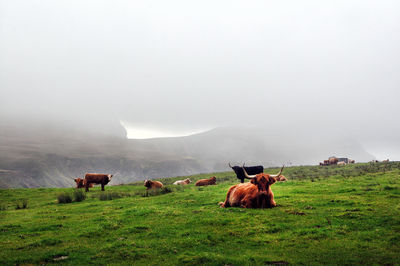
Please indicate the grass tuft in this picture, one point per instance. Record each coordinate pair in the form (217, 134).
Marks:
(64, 197)
(79, 195)
(156, 192)
(113, 195)
(23, 204)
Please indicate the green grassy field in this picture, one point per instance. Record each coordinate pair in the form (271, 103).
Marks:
(325, 215)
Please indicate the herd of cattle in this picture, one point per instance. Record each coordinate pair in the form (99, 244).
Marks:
(254, 194)
(336, 161)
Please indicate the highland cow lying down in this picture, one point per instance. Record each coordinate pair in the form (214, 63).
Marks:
(206, 182)
(255, 194)
(182, 182)
(149, 184)
(281, 178)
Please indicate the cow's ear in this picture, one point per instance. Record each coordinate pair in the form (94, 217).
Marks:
(272, 180)
(253, 181)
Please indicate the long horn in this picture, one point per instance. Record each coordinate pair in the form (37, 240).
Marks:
(246, 175)
(230, 164)
(280, 172)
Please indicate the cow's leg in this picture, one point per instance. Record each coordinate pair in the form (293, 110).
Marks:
(242, 180)
(227, 203)
(246, 203)
(102, 186)
(87, 186)
(270, 198)
(271, 202)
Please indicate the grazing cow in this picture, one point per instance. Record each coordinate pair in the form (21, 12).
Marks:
(251, 170)
(333, 160)
(341, 163)
(386, 161)
(102, 179)
(352, 161)
(255, 194)
(149, 184)
(206, 182)
(182, 182)
(80, 182)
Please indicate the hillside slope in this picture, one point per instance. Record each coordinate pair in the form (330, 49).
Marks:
(337, 220)
(50, 156)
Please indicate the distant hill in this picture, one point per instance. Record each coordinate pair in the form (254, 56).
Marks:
(43, 154)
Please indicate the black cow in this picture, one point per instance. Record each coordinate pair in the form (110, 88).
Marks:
(251, 170)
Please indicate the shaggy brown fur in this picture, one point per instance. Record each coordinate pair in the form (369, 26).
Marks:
(281, 178)
(102, 179)
(149, 184)
(255, 194)
(80, 182)
(206, 182)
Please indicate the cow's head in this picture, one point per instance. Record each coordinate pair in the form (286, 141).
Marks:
(109, 177)
(79, 182)
(263, 180)
(213, 179)
(237, 169)
(188, 180)
(147, 183)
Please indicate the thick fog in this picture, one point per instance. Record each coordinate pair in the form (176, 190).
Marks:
(188, 66)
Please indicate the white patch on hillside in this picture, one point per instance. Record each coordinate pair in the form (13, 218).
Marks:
(151, 132)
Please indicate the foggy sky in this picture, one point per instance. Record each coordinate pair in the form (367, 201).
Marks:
(192, 65)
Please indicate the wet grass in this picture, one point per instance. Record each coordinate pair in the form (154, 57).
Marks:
(347, 218)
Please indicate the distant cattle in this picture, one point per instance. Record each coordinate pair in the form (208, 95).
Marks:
(386, 161)
(80, 183)
(255, 194)
(251, 170)
(91, 179)
(182, 182)
(206, 182)
(149, 184)
(333, 160)
(280, 178)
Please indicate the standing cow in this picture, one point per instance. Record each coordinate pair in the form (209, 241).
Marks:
(251, 170)
(102, 179)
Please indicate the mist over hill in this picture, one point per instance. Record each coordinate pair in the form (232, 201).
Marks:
(46, 154)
